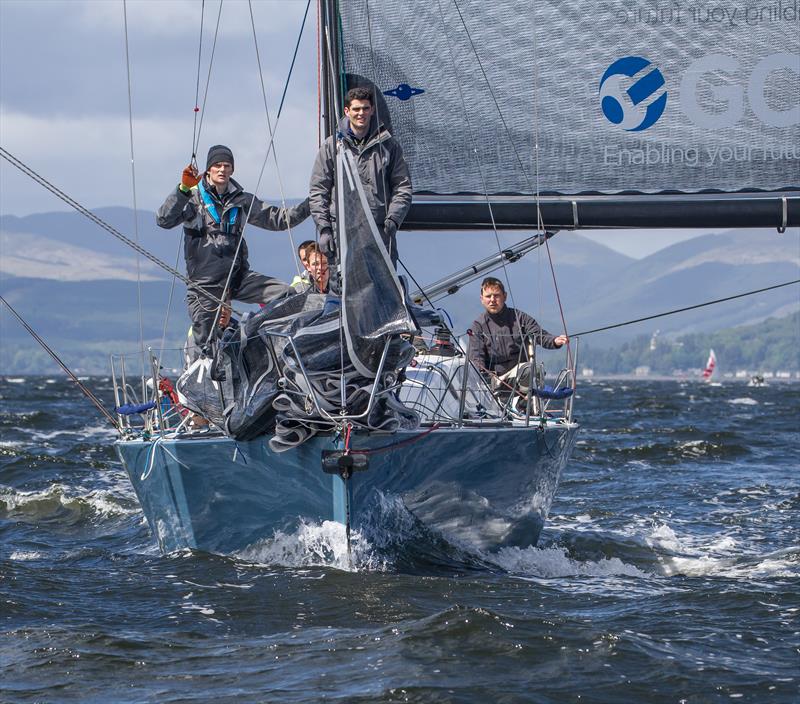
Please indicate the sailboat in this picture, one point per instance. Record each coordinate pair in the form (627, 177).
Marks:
(711, 366)
(513, 117)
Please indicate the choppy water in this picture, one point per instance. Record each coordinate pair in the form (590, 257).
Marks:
(669, 572)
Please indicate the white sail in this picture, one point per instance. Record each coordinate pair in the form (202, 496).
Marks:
(711, 366)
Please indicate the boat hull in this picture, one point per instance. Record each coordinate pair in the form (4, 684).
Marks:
(480, 487)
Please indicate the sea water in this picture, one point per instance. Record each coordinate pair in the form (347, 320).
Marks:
(669, 571)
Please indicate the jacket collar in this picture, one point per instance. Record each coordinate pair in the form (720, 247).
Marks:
(377, 132)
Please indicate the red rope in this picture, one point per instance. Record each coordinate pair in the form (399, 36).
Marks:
(376, 450)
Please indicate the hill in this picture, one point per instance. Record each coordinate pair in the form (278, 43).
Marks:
(76, 284)
(771, 345)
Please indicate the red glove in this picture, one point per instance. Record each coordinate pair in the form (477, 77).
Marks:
(189, 177)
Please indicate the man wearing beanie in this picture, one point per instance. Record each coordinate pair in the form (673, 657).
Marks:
(212, 208)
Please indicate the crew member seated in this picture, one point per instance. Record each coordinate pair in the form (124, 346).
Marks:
(499, 342)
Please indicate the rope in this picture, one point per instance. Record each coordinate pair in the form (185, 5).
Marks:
(682, 310)
(28, 171)
(87, 392)
(394, 446)
(133, 189)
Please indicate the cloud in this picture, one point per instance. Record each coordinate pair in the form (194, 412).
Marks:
(89, 158)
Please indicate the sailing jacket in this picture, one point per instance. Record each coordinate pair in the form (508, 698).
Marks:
(497, 339)
(212, 225)
(382, 169)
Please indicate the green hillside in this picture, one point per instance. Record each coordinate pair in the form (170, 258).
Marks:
(771, 345)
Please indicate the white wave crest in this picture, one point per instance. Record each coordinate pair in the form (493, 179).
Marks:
(314, 545)
(719, 556)
(103, 502)
(555, 562)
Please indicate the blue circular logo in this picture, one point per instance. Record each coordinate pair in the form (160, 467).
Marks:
(632, 93)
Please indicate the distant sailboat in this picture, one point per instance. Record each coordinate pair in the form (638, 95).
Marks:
(711, 366)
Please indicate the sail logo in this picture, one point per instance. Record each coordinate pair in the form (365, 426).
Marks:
(632, 93)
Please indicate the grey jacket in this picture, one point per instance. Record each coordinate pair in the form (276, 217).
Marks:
(209, 246)
(382, 169)
(497, 339)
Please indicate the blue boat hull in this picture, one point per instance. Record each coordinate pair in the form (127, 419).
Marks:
(485, 487)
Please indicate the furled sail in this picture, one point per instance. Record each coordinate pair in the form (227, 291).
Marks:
(616, 114)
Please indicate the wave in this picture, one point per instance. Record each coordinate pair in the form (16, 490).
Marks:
(550, 562)
(719, 556)
(59, 504)
(314, 545)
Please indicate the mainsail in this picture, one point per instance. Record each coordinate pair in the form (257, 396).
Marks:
(615, 114)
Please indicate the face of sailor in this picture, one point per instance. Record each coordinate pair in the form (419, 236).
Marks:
(219, 174)
(493, 299)
(304, 260)
(318, 266)
(224, 316)
(359, 113)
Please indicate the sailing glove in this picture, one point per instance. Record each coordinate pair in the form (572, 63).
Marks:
(189, 178)
(326, 244)
(389, 227)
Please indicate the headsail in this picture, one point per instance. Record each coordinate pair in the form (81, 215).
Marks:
(618, 114)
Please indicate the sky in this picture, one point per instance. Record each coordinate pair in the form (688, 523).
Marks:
(64, 102)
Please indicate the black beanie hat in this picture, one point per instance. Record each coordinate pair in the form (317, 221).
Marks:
(218, 153)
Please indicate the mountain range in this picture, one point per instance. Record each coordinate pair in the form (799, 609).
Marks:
(76, 285)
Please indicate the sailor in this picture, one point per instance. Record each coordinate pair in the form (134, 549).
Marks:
(212, 208)
(303, 279)
(318, 269)
(381, 166)
(501, 334)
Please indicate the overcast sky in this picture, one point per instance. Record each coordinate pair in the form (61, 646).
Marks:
(64, 96)
(64, 101)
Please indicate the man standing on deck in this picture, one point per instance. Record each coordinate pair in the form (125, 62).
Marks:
(212, 208)
(381, 166)
(501, 333)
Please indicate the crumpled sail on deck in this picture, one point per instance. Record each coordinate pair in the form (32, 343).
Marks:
(282, 371)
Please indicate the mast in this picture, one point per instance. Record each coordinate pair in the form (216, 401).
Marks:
(330, 58)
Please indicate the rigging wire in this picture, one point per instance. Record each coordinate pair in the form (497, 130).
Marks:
(28, 171)
(270, 149)
(133, 189)
(472, 138)
(280, 107)
(195, 136)
(501, 115)
(208, 79)
(682, 310)
(87, 391)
